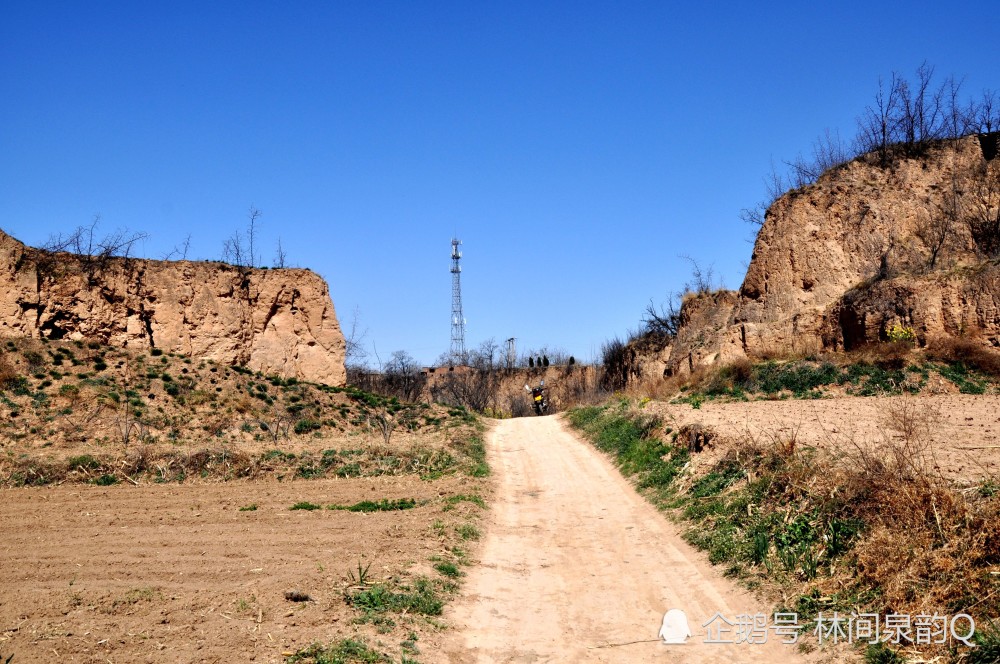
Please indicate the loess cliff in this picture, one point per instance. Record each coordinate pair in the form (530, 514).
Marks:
(868, 246)
(275, 321)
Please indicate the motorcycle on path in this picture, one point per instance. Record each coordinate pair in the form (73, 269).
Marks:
(539, 400)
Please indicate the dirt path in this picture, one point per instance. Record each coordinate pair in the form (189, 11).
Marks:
(574, 560)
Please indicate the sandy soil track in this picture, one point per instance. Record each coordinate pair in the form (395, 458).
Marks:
(575, 560)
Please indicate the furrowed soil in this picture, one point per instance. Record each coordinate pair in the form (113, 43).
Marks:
(177, 573)
(960, 430)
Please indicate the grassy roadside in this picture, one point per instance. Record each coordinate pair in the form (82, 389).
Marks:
(876, 532)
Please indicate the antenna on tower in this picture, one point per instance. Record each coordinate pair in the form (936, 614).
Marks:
(457, 319)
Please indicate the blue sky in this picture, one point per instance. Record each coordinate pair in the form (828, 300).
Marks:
(577, 148)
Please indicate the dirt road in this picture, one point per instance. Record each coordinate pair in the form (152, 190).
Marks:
(575, 564)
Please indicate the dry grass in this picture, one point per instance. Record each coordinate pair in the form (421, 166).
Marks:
(8, 375)
(968, 351)
(926, 544)
(862, 525)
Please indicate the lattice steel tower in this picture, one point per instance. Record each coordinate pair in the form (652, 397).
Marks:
(457, 320)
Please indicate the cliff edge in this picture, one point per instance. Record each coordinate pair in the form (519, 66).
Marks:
(867, 247)
(278, 321)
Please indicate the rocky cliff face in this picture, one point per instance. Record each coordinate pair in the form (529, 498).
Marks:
(274, 321)
(838, 262)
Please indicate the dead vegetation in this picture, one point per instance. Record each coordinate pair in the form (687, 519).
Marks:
(862, 525)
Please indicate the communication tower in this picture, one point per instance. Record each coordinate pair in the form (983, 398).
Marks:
(457, 319)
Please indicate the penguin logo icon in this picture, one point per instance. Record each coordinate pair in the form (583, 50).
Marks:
(675, 627)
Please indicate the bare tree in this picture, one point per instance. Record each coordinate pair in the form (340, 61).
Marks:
(181, 251)
(275, 424)
(253, 214)
(986, 114)
(478, 386)
(240, 249)
(983, 215)
(402, 377)
(828, 152)
(127, 422)
(957, 119)
(877, 127)
(663, 321)
(94, 253)
(920, 109)
(702, 279)
(937, 229)
(355, 355)
(279, 256)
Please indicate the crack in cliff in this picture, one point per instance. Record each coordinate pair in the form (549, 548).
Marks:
(272, 310)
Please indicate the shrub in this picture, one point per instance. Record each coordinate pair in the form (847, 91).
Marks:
(306, 425)
(347, 650)
(8, 376)
(83, 462)
(900, 333)
(35, 361)
(966, 351)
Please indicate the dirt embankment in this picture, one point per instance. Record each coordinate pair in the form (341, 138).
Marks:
(839, 262)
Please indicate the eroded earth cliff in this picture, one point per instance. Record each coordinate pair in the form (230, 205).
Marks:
(868, 246)
(275, 321)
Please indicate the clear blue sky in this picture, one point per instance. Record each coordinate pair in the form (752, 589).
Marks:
(577, 148)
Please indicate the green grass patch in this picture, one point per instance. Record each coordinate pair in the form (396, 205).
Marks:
(305, 505)
(475, 499)
(467, 531)
(383, 505)
(423, 598)
(449, 569)
(345, 651)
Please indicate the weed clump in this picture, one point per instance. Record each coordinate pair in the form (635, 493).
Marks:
(383, 505)
(342, 652)
(422, 598)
